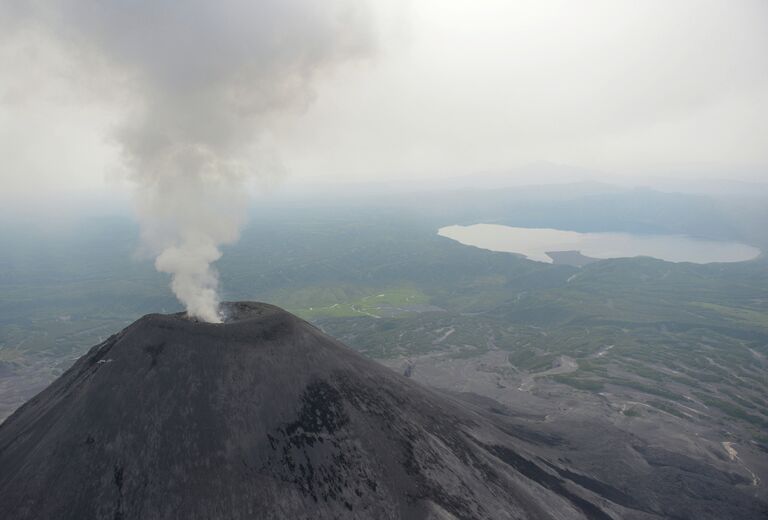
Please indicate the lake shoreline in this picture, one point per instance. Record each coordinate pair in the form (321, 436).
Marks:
(563, 247)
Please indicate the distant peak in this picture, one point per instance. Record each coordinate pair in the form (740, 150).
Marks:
(240, 319)
(233, 312)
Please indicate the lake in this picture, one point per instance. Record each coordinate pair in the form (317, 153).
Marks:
(537, 243)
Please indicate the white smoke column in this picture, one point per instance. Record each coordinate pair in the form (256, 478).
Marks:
(206, 79)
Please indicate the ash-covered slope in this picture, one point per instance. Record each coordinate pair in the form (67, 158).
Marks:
(263, 416)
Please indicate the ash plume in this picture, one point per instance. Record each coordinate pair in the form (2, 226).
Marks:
(204, 80)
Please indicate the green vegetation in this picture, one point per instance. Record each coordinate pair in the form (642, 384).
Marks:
(632, 412)
(591, 385)
(389, 301)
(744, 315)
(385, 284)
(732, 410)
(665, 407)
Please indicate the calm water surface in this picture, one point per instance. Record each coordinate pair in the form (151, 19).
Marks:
(535, 243)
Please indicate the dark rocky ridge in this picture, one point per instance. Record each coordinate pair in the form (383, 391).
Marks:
(265, 416)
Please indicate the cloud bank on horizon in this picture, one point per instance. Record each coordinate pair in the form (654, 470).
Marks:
(619, 87)
(624, 87)
(194, 98)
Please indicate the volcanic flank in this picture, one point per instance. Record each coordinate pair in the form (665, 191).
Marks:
(263, 416)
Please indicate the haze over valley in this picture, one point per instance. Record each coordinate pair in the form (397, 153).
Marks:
(660, 355)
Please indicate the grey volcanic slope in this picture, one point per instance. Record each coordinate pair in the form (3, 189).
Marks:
(265, 416)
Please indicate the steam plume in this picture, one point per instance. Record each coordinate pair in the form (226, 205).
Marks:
(207, 78)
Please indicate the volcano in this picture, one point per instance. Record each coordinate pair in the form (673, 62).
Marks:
(265, 416)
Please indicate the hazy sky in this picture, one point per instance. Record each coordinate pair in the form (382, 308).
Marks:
(451, 88)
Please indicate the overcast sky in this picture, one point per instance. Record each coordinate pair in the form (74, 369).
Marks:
(627, 88)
